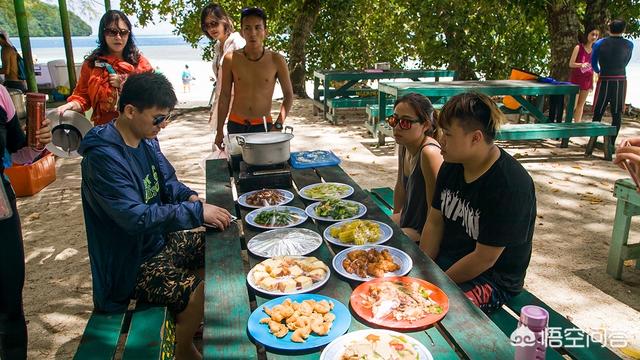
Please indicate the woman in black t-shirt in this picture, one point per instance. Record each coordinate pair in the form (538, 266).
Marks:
(414, 128)
(481, 221)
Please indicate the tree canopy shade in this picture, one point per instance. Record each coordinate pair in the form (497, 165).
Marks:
(477, 38)
(44, 20)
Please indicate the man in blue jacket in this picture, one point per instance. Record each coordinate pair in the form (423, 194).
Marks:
(134, 207)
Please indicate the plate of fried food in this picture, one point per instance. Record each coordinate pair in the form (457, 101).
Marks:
(375, 344)
(298, 322)
(287, 275)
(403, 303)
(363, 263)
(358, 232)
(328, 190)
(265, 197)
(336, 210)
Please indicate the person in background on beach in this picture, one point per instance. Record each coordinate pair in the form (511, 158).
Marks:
(609, 59)
(218, 26)
(13, 328)
(252, 73)
(186, 79)
(106, 69)
(10, 64)
(135, 208)
(419, 159)
(481, 221)
(582, 71)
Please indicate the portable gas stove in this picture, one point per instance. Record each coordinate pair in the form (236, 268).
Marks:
(252, 177)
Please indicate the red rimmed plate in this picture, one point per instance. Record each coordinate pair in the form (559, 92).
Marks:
(358, 304)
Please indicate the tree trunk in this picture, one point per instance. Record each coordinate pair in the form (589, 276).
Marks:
(596, 16)
(300, 33)
(458, 61)
(564, 26)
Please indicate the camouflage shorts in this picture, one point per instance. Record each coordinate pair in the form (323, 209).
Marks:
(168, 278)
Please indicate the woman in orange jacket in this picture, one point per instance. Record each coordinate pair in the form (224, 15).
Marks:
(106, 68)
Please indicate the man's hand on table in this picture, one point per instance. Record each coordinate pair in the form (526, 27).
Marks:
(216, 216)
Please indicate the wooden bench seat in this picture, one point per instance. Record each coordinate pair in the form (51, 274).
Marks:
(148, 332)
(506, 317)
(562, 130)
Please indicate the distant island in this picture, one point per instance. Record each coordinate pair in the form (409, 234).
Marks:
(44, 20)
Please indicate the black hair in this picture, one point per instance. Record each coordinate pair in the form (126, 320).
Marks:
(218, 12)
(472, 111)
(584, 39)
(423, 108)
(253, 11)
(146, 90)
(617, 26)
(131, 54)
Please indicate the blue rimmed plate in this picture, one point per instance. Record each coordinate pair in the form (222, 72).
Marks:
(399, 257)
(311, 211)
(299, 216)
(242, 199)
(386, 232)
(325, 191)
(260, 332)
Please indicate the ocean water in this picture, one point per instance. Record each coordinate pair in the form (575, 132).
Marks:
(171, 53)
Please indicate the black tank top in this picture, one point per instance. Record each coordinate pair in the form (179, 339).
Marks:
(415, 206)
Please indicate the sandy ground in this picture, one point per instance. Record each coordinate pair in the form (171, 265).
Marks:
(575, 218)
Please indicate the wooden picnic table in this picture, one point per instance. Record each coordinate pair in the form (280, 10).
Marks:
(518, 89)
(465, 332)
(322, 96)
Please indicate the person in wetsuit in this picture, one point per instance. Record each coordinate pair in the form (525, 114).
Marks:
(609, 59)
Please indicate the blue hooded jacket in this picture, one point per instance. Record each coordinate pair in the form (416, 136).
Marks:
(117, 217)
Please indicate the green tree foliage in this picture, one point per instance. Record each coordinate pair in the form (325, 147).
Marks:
(43, 19)
(478, 38)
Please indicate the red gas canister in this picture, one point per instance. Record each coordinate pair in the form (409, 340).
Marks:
(36, 106)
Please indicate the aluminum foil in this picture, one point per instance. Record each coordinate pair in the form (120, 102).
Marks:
(280, 242)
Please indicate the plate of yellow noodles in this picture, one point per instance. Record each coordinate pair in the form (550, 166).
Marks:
(358, 232)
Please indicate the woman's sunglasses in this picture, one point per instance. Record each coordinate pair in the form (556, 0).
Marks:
(404, 123)
(160, 119)
(115, 32)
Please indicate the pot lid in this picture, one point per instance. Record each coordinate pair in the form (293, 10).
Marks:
(267, 138)
(67, 132)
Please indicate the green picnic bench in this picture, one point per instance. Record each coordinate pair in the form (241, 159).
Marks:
(570, 339)
(628, 205)
(147, 332)
(562, 130)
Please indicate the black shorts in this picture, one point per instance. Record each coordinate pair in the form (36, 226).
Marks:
(168, 278)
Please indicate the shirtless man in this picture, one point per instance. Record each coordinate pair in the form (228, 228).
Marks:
(252, 73)
(10, 64)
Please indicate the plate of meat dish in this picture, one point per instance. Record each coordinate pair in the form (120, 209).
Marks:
(402, 303)
(265, 197)
(363, 263)
(298, 322)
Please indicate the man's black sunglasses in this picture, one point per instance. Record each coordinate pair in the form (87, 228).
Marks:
(160, 119)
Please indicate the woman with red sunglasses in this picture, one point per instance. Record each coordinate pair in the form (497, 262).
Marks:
(106, 68)
(419, 159)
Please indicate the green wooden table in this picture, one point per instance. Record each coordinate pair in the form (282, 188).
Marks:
(465, 332)
(518, 89)
(352, 77)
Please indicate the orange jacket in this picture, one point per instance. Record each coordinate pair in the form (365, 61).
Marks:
(93, 89)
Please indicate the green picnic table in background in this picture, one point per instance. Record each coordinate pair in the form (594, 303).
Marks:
(328, 98)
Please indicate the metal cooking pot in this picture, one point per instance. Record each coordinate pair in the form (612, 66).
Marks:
(17, 97)
(266, 148)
